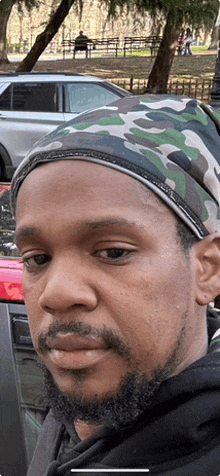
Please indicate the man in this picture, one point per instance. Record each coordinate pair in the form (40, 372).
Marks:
(118, 223)
(81, 43)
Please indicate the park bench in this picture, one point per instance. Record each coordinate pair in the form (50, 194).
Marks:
(95, 44)
(70, 46)
(67, 47)
(105, 45)
(151, 43)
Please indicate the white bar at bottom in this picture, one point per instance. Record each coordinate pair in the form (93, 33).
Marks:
(110, 470)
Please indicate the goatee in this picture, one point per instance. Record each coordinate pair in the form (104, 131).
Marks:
(116, 411)
(121, 406)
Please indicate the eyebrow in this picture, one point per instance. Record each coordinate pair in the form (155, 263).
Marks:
(26, 231)
(32, 232)
(121, 222)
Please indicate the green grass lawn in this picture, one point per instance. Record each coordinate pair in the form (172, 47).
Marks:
(135, 53)
(199, 48)
(146, 52)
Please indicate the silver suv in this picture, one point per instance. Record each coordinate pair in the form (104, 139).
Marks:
(32, 105)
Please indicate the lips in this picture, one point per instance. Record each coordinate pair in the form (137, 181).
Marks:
(71, 352)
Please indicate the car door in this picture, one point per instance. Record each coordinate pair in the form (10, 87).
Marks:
(28, 111)
(22, 408)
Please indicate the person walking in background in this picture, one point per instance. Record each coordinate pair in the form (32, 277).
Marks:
(181, 41)
(188, 42)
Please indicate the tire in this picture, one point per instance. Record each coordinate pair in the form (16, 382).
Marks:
(6, 167)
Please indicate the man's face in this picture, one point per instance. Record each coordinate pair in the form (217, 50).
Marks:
(108, 290)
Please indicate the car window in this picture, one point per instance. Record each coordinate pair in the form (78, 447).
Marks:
(7, 227)
(5, 99)
(3, 86)
(83, 96)
(34, 97)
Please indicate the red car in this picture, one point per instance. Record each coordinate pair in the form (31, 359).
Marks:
(10, 265)
(22, 408)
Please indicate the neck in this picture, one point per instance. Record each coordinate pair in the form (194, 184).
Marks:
(86, 430)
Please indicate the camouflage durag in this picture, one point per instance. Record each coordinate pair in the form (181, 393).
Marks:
(171, 144)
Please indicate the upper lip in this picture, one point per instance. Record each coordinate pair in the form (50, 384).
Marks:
(71, 342)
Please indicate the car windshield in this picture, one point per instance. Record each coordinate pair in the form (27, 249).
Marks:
(7, 225)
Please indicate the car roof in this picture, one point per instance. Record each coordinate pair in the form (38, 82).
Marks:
(46, 77)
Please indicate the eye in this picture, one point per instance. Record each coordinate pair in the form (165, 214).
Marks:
(112, 253)
(36, 261)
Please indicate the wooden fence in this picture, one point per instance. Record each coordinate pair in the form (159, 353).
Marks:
(195, 88)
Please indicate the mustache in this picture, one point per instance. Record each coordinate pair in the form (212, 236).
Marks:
(109, 338)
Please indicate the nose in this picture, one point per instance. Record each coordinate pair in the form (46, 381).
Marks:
(67, 285)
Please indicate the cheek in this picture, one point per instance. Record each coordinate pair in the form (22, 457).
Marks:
(151, 287)
(30, 286)
(149, 307)
(32, 294)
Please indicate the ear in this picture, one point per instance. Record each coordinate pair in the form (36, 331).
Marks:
(207, 256)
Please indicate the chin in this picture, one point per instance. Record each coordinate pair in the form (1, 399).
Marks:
(89, 383)
(82, 385)
(115, 408)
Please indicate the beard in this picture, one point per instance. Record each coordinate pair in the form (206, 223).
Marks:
(115, 410)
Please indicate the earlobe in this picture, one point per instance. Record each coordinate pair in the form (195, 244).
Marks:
(207, 255)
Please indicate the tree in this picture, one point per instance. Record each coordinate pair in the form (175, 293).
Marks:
(177, 13)
(5, 11)
(214, 39)
(197, 14)
(159, 75)
(44, 38)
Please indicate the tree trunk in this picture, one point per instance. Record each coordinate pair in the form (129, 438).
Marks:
(46, 36)
(214, 39)
(158, 79)
(5, 10)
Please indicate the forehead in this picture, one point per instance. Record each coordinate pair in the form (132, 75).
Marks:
(85, 190)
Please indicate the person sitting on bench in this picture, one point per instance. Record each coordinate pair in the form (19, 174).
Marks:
(81, 43)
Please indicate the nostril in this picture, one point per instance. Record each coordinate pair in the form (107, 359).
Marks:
(48, 309)
(53, 310)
